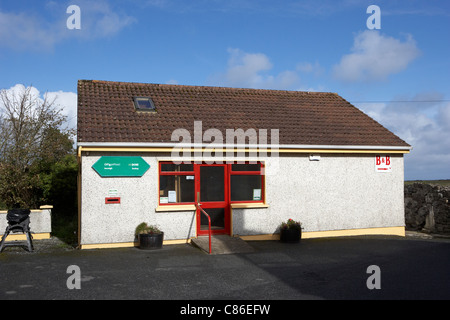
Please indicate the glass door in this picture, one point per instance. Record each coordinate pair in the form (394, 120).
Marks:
(213, 191)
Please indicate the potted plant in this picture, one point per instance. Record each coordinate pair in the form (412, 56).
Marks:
(290, 231)
(149, 237)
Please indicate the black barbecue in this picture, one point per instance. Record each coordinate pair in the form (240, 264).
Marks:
(18, 221)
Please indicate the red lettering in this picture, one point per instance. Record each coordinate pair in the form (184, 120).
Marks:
(378, 161)
(388, 160)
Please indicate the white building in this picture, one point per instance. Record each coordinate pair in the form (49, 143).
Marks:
(251, 158)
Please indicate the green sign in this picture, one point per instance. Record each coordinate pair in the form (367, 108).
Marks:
(121, 166)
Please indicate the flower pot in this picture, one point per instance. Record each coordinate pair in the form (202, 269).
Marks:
(290, 235)
(151, 241)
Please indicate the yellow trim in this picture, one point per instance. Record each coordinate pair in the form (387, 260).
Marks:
(149, 149)
(339, 151)
(392, 231)
(21, 236)
(231, 220)
(79, 194)
(181, 207)
(127, 244)
(32, 210)
(182, 241)
(107, 245)
(248, 205)
(260, 237)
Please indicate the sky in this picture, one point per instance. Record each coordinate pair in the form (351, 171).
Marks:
(392, 63)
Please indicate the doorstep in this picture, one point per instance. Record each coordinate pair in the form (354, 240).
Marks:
(222, 244)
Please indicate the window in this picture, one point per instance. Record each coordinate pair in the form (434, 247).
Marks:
(246, 182)
(176, 183)
(242, 183)
(144, 104)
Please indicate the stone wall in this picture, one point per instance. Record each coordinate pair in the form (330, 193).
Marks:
(427, 208)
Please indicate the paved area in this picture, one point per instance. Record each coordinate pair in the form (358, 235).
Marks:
(409, 268)
(222, 244)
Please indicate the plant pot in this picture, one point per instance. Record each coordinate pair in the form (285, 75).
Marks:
(290, 235)
(151, 241)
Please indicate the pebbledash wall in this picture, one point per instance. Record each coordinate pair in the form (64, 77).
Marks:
(339, 195)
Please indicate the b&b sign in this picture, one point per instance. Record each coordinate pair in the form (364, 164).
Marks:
(121, 166)
(383, 164)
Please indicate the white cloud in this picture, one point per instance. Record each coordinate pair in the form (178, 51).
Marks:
(251, 70)
(255, 70)
(67, 101)
(375, 56)
(244, 69)
(314, 68)
(425, 126)
(31, 31)
(444, 116)
(100, 20)
(21, 31)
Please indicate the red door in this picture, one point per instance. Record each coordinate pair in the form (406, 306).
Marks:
(212, 187)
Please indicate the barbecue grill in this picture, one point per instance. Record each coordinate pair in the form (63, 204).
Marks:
(18, 221)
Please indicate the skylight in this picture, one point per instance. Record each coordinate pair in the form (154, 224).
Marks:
(144, 104)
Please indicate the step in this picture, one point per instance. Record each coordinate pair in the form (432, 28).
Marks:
(222, 244)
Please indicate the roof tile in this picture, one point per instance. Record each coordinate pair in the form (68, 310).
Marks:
(106, 113)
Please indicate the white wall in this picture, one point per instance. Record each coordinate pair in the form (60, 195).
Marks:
(338, 192)
(110, 223)
(40, 221)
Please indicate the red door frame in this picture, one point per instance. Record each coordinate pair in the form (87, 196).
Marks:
(213, 204)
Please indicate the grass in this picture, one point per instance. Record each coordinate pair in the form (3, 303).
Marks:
(432, 182)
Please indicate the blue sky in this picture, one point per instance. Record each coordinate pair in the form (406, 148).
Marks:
(399, 74)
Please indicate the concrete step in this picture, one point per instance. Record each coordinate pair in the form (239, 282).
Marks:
(222, 244)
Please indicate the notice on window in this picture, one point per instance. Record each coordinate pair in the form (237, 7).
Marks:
(256, 194)
(172, 196)
(163, 200)
(383, 164)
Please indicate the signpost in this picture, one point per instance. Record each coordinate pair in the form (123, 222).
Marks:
(121, 166)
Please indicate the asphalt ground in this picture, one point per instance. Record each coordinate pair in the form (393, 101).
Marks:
(331, 268)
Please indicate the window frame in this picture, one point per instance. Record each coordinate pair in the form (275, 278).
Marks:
(248, 173)
(172, 173)
(136, 104)
(227, 179)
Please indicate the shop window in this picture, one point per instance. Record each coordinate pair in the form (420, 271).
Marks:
(246, 167)
(170, 167)
(246, 182)
(176, 183)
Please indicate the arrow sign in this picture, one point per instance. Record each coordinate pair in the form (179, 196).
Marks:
(121, 166)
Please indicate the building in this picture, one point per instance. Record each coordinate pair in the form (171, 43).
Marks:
(252, 158)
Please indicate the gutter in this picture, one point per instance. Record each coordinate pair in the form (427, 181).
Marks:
(237, 146)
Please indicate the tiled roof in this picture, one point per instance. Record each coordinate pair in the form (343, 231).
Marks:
(106, 113)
